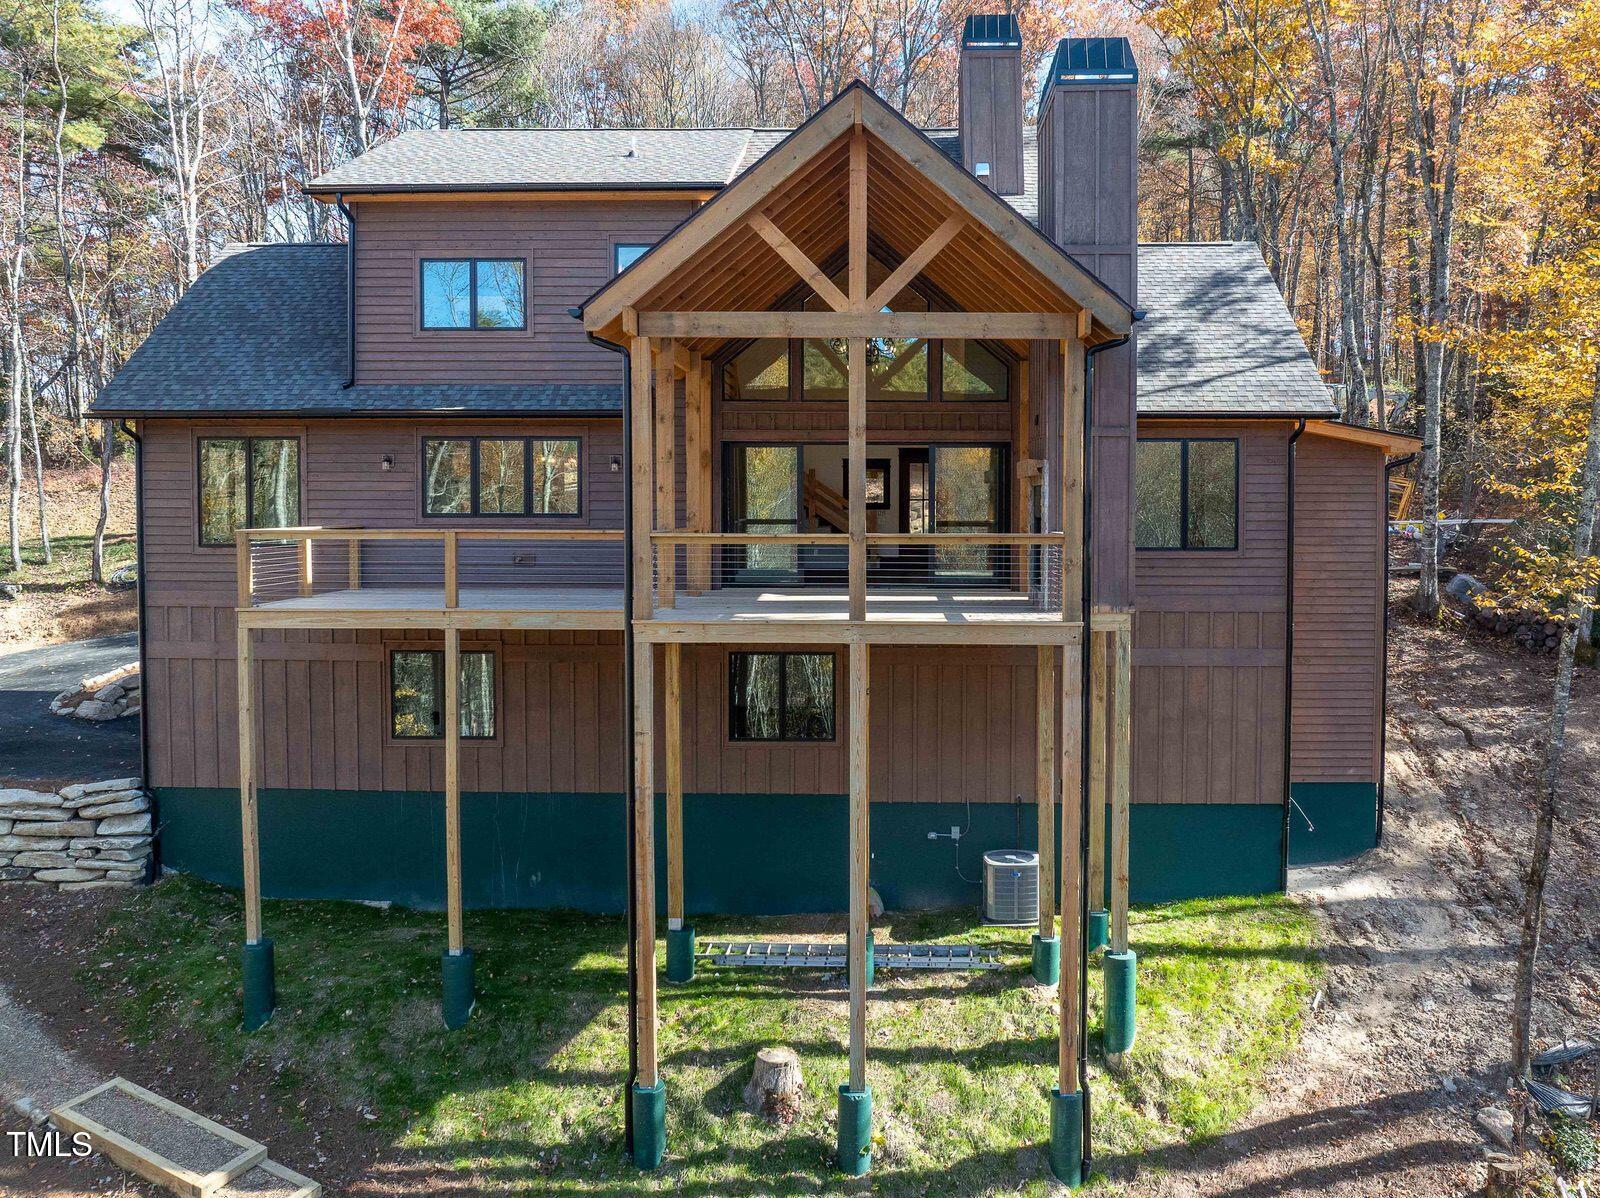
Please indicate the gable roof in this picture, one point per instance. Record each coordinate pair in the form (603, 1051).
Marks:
(550, 159)
(1217, 338)
(263, 331)
(858, 106)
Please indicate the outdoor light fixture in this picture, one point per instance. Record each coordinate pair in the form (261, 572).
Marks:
(387, 463)
(616, 463)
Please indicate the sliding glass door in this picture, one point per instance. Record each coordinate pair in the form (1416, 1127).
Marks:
(763, 496)
(967, 498)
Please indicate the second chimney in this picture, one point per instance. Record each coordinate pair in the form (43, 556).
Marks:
(991, 101)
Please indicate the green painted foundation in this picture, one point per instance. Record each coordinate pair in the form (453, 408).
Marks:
(1046, 959)
(680, 955)
(1066, 1137)
(260, 984)
(650, 1125)
(1332, 821)
(458, 997)
(1122, 983)
(562, 850)
(855, 1131)
(1099, 930)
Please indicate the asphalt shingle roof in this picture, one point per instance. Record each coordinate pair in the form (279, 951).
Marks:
(468, 159)
(263, 331)
(1217, 337)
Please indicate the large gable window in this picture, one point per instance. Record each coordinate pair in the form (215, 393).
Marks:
(1187, 494)
(474, 293)
(247, 482)
(501, 476)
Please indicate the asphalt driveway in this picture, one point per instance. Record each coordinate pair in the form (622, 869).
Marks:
(37, 747)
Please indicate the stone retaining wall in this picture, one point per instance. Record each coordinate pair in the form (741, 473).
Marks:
(86, 836)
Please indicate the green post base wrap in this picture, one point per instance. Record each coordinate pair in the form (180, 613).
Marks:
(680, 955)
(1121, 970)
(872, 960)
(1046, 959)
(855, 1131)
(260, 985)
(1066, 1137)
(650, 1125)
(458, 998)
(1099, 929)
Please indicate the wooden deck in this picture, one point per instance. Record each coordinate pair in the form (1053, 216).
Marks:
(932, 616)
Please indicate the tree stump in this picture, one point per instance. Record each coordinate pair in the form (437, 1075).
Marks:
(774, 1089)
(1505, 1176)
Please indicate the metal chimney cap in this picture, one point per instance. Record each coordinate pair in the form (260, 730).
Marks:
(991, 31)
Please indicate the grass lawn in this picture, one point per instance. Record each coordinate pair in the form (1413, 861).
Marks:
(528, 1094)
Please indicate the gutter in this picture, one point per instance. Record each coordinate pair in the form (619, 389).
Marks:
(1083, 737)
(349, 293)
(628, 651)
(153, 870)
(1288, 660)
(1383, 656)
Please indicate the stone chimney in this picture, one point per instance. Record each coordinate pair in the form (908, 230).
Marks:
(991, 101)
(1089, 205)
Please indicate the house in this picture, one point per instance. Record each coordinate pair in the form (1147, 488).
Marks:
(742, 472)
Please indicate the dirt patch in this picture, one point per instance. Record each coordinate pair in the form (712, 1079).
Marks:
(1411, 1038)
(45, 954)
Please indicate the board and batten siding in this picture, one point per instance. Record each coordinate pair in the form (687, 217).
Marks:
(1208, 653)
(569, 248)
(1340, 514)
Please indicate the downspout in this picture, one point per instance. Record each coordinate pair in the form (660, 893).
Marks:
(349, 292)
(1087, 571)
(153, 870)
(1383, 665)
(1288, 660)
(628, 730)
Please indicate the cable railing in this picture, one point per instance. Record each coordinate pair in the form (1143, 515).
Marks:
(445, 568)
(1001, 572)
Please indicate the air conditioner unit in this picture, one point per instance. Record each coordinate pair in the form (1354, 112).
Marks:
(1011, 887)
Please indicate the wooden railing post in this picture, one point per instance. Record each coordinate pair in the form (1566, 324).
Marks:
(452, 590)
(640, 464)
(857, 367)
(666, 470)
(355, 563)
(305, 566)
(243, 567)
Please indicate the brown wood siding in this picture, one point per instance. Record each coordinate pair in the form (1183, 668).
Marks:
(1338, 611)
(568, 246)
(990, 110)
(1208, 680)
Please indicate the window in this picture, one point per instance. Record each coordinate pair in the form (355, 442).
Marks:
(247, 482)
(474, 293)
(877, 483)
(501, 476)
(780, 696)
(625, 255)
(1187, 494)
(416, 693)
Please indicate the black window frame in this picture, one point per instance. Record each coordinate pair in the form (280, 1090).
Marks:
(782, 655)
(472, 325)
(1183, 545)
(437, 656)
(644, 247)
(249, 482)
(934, 393)
(527, 512)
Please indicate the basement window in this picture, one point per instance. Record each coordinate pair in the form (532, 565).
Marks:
(416, 694)
(247, 482)
(780, 696)
(474, 293)
(1187, 494)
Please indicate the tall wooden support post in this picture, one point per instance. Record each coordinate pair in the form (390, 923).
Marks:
(697, 469)
(457, 961)
(1066, 1100)
(1046, 947)
(1121, 964)
(666, 470)
(855, 1097)
(857, 367)
(649, 1092)
(260, 988)
(1099, 670)
(640, 469)
(1072, 478)
(1022, 408)
(680, 937)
